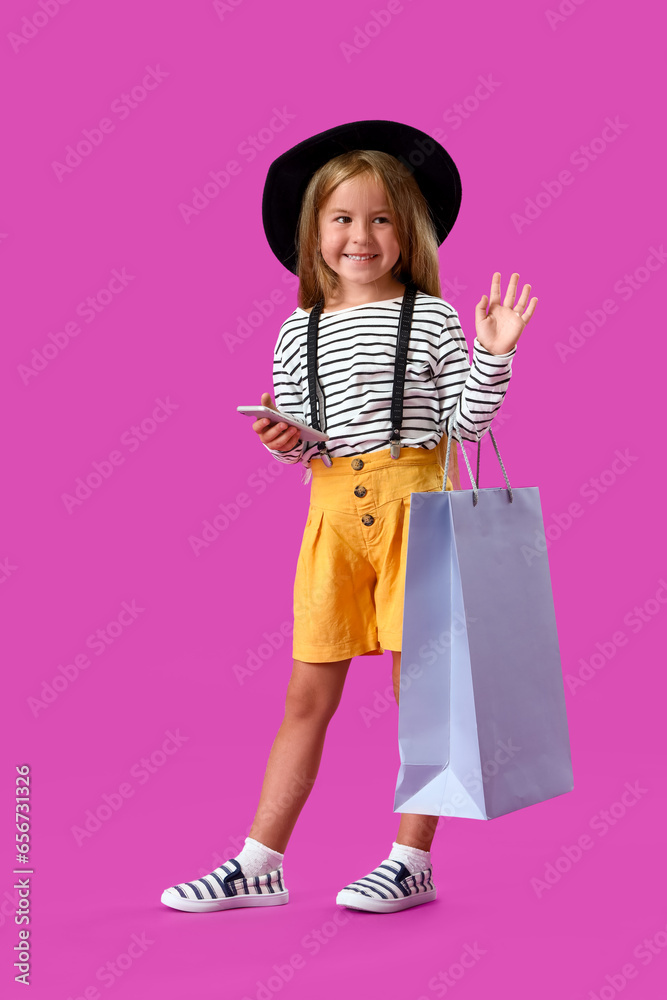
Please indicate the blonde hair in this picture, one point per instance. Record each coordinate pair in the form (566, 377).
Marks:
(415, 232)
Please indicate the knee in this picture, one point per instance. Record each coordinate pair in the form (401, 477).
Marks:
(307, 703)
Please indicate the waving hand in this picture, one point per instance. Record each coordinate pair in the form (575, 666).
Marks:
(499, 329)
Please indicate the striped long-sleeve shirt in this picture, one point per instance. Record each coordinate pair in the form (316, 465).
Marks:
(355, 361)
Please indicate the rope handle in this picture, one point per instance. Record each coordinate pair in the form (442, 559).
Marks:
(474, 480)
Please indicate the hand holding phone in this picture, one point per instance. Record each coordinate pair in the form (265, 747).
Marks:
(278, 436)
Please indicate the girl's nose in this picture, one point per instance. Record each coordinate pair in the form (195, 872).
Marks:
(361, 233)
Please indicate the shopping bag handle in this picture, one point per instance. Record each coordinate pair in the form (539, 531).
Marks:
(474, 480)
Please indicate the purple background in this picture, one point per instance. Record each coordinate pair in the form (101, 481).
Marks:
(221, 72)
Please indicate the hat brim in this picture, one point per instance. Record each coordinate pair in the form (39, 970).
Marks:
(288, 177)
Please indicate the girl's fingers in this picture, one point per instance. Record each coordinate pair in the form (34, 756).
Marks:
(276, 430)
(286, 440)
(530, 310)
(262, 424)
(511, 291)
(521, 304)
(282, 435)
(480, 309)
(494, 298)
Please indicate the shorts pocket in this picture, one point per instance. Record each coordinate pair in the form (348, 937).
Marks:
(431, 482)
(307, 590)
(313, 514)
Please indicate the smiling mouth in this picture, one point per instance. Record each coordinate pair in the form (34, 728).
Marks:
(366, 256)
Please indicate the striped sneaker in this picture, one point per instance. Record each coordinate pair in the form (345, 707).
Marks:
(388, 888)
(225, 888)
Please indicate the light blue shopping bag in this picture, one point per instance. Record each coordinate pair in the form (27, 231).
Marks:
(482, 725)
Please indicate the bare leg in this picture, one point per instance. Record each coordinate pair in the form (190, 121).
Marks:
(313, 695)
(413, 830)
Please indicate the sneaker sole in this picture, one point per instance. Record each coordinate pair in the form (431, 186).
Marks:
(357, 901)
(177, 902)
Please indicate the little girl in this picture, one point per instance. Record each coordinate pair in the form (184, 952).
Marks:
(358, 213)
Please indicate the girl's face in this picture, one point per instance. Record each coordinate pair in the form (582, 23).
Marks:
(357, 235)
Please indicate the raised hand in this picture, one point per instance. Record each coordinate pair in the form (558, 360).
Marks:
(500, 328)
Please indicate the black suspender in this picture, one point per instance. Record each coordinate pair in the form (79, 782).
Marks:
(313, 323)
(402, 340)
(404, 324)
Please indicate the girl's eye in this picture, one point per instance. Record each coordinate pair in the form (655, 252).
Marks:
(381, 218)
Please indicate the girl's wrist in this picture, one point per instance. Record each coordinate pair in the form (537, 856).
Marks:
(496, 354)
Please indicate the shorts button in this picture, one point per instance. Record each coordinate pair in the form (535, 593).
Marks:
(360, 491)
(357, 464)
(367, 519)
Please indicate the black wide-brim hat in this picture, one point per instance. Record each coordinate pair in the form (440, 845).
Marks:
(288, 177)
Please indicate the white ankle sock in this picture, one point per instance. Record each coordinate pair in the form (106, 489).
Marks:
(258, 859)
(413, 859)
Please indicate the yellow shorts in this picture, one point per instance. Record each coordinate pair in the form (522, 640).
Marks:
(350, 574)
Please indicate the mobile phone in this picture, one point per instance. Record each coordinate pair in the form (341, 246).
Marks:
(276, 417)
